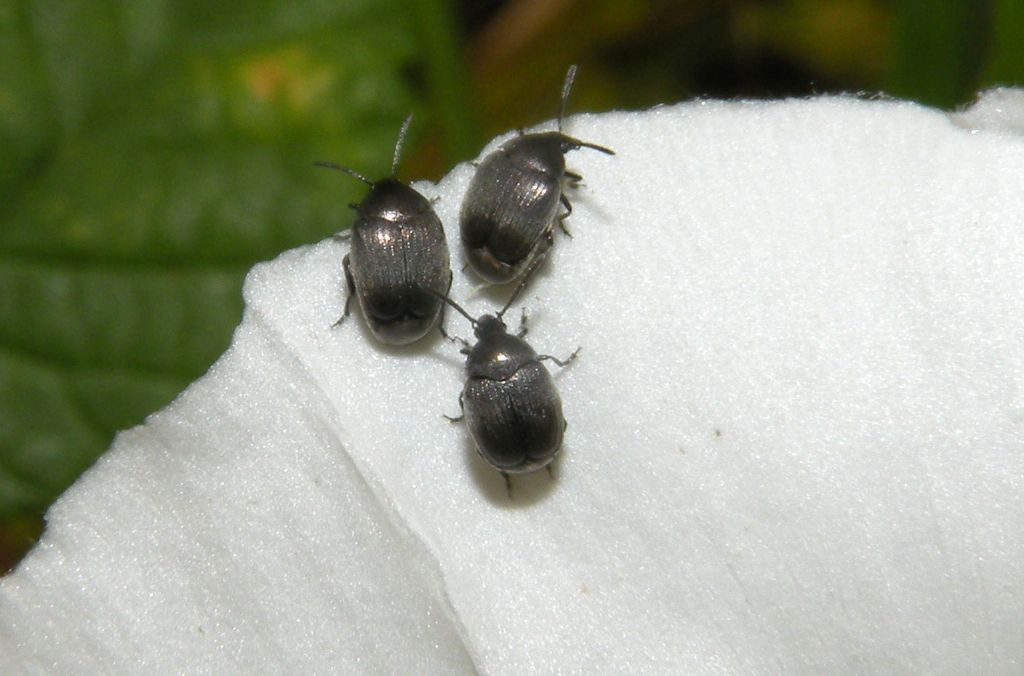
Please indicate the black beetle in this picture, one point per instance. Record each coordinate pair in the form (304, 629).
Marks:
(510, 208)
(398, 259)
(509, 401)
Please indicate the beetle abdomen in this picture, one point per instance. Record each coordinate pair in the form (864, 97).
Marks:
(387, 254)
(517, 423)
(395, 266)
(506, 213)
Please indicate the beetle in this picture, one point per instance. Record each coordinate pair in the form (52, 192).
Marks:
(511, 206)
(509, 401)
(398, 260)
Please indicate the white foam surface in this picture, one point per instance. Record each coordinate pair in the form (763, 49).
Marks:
(795, 443)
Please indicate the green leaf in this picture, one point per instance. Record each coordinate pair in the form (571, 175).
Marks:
(1006, 63)
(938, 50)
(150, 153)
(26, 114)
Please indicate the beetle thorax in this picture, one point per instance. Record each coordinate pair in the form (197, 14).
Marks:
(392, 200)
(538, 152)
(497, 354)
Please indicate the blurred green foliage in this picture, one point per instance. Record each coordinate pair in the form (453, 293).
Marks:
(152, 150)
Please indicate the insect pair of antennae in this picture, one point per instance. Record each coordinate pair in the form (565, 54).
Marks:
(522, 284)
(586, 144)
(511, 299)
(399, 143)
(351, 172)
(455, 305)
(570, 75)
(394, 160)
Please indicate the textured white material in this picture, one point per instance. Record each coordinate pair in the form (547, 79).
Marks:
(795, 443)
(1000, 109)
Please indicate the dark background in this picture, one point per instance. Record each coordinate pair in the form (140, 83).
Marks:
(152, 150)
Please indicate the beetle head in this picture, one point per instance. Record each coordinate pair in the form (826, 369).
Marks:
(487, 326)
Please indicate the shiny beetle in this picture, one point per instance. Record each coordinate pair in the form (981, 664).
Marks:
(510, 209)
(509, 401)
(398, 259)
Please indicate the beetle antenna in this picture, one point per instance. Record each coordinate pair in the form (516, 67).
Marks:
(570, 143)
(452, 303)
(350, 172)
(398, 144)
(606, 151)
(522, 285)
(570, 75)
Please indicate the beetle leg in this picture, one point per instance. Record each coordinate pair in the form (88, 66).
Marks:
(455, 339)
(523, 328)
(351, 291)
(460, 416)
(561, 217)
(560, 362)
(444, 306)
(551, 472)
(508, 484)
(440, 326)
(566, 204)
(549, 238)
(574, 178)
